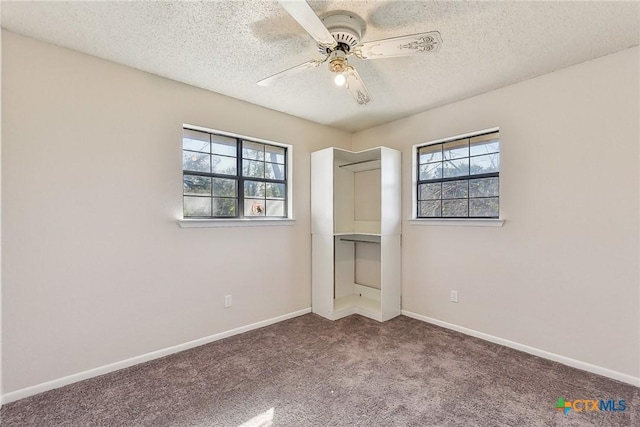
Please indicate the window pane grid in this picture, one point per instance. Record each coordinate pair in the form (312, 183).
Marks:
(226, 177)
(459, 178)
(484, 154)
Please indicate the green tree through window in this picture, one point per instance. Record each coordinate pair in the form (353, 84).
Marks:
(225, 177)
(459, 178)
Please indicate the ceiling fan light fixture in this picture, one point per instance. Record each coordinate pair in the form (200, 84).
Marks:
(340, 79)
(338, 61)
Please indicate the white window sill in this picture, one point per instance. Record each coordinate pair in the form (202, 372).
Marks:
(209, 223)
(471, 222)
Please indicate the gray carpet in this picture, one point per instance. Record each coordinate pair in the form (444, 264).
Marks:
(309, 371)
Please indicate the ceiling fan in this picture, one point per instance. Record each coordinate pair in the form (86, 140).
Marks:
(339, 37)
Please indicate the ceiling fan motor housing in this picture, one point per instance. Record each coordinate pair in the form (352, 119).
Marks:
(346, 28)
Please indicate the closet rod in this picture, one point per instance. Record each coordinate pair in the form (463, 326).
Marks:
(359, 241)
(358, 163)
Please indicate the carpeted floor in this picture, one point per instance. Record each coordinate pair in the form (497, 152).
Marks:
(309, 371)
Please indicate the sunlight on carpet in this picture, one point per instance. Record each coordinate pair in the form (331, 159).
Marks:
(264, 419)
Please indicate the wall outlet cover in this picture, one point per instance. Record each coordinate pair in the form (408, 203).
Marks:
(454, 296)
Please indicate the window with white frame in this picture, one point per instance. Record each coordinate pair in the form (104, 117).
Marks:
(232, 177)
(459, 178)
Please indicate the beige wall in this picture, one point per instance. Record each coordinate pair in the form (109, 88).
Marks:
(562, 274)
(95, 268)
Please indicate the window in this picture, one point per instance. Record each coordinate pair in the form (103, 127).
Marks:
(232, 177)
(459, 178)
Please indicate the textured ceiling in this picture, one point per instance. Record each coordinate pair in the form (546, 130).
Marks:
(227, 46)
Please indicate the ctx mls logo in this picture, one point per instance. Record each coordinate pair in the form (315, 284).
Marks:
(591, 405)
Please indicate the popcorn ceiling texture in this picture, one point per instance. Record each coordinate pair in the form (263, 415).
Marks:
(309, 371)
(227, 46)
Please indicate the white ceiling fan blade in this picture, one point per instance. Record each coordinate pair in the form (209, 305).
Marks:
(400, 46)
(293, 70)
(307, 18)
(356, 87)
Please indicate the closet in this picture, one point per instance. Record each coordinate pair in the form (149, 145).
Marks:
(355, 227)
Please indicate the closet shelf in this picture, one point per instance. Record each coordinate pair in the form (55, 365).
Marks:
(369, 304)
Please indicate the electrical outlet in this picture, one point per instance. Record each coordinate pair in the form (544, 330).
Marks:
(454, 296)
(227, 300)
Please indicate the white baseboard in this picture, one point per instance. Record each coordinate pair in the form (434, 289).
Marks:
(60, 382)
(605, 372)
